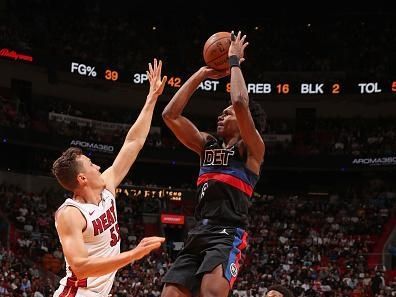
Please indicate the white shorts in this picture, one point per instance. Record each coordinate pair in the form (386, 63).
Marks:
(76, 292)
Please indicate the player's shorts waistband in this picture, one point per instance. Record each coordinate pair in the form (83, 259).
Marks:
(223, 223)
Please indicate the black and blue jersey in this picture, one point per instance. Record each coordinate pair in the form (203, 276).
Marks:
(224, 185)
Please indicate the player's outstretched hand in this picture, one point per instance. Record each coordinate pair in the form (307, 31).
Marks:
(154, 76)
(237, 46)
(146, 245)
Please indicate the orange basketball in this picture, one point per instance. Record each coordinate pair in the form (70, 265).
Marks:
(215, 52)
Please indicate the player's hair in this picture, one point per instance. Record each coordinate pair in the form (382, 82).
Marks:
(66, 168)
(281, 289)
(259, 116)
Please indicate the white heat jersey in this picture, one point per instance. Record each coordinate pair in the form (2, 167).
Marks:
(101, 239)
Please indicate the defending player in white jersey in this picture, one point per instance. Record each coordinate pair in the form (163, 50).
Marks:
(87, 223)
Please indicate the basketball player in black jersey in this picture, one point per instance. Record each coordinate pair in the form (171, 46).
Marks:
(230, 167)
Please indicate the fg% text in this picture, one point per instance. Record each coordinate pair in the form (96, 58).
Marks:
(83, 69)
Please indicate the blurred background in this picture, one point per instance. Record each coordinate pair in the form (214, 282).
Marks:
(323, 213)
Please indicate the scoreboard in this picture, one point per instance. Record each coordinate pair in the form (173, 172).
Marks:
(270, 87)
(296, 86)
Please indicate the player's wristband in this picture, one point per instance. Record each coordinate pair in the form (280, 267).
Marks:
(234, 61)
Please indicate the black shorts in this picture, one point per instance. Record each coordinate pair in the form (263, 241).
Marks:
(206, 247)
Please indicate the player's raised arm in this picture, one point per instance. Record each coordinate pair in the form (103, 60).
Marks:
(181, 126)
(137, 134)
(240, 102)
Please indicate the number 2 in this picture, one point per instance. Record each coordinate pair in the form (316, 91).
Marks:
(394, 86)
(335, 89)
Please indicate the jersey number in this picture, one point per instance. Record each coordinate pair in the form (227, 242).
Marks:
(115, 234)
(204, 187)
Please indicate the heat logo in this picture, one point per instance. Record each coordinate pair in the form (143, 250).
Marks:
(83, 69)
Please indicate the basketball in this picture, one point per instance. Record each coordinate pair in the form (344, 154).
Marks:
(215, 52)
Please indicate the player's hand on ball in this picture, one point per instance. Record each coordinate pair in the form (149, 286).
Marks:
(237, 46)
(214, 74)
